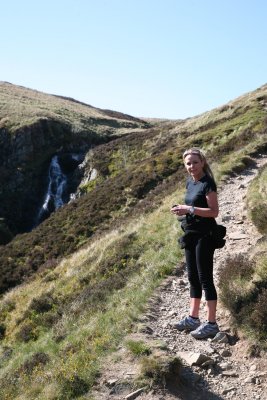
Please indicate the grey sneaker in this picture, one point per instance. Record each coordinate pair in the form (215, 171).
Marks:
(205, 330)
(187, 324)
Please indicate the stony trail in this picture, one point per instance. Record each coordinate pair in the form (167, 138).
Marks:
(227, 371)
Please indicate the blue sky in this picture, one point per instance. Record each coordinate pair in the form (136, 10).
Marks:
(147, 58)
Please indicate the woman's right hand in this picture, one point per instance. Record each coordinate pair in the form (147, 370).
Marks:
(175, 209)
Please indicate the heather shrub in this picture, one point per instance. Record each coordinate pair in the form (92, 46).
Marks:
(233, 277)
(5, 234)
(36, 360)
(42, 304)
(73, 388)
(2, 331)
(6, 353)
(256, 201)
(259, 315)
(243, 290)
(259, 217)
(43, 311)
(5, 308)
(27, 332)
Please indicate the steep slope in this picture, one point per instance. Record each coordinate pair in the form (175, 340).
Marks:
(121, 242)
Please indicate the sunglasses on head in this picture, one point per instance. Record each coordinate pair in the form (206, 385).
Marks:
(196, 152)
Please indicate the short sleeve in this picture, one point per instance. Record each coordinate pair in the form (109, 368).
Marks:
(187, 183)
(210, 186)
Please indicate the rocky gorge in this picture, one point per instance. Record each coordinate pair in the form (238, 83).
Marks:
(26, 151)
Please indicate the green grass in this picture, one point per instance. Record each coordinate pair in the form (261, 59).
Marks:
(138, 347)
(86, 331)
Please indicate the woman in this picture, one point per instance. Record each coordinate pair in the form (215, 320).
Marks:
(199, 213)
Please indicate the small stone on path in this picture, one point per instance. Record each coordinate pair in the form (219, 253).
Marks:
(194, 358)
(133, 395)
(237, 236)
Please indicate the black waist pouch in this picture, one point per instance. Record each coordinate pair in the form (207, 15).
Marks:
(194, 229)
(192, 235)
(218, 234)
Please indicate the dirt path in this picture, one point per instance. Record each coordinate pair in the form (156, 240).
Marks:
(229, 373)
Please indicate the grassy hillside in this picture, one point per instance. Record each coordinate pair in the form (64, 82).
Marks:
(20, 107)
(92, 265)
(134, 174)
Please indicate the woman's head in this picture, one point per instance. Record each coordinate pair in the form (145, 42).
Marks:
(195, 158)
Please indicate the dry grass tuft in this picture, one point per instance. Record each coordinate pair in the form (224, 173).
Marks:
(162, 370)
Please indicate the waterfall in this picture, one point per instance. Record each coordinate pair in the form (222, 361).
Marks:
(64, 176)
(57, 182)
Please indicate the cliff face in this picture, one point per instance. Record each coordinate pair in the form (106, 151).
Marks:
(20, 147)
(24, 160)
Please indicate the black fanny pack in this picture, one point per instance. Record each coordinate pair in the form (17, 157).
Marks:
(218, 234)
(191, 236)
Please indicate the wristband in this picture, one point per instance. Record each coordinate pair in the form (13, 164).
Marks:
(192, 210)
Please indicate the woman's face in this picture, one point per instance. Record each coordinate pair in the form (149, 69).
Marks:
(194, 166)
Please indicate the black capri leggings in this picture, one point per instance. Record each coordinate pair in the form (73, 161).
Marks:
(199, 262)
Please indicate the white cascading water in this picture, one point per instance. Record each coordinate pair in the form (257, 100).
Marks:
(57, 181)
